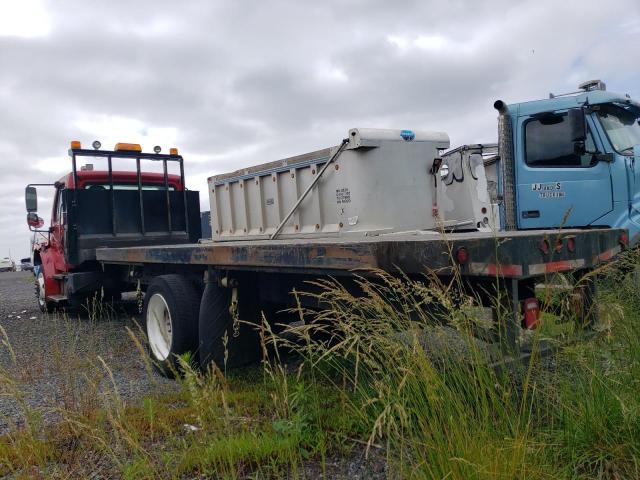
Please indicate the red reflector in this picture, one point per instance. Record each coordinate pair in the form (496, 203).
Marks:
(531, 312)
(624, 240)
(462, 255)
(483, 210)
(571, 244)
(544, 246)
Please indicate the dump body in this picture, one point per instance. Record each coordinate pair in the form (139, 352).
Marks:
(382, 182)
(469, 188)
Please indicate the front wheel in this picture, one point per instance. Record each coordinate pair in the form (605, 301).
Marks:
(41, 293)
(170, 311)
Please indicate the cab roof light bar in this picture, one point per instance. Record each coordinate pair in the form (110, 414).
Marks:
(132, 151)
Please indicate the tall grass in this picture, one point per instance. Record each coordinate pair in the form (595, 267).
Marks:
(417, 378)
(427, 391)
(392, 368)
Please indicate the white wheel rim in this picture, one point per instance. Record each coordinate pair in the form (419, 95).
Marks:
(41, 294)
(159, 327)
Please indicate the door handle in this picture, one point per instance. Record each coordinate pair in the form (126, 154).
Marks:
(531, 214)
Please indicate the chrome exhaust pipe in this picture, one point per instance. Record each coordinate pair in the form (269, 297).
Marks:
(507, 164)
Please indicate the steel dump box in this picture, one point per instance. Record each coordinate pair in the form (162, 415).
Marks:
(468, 191)
(382, 182)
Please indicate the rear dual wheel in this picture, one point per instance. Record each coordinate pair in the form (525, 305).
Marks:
(179, 322)
(229, 335)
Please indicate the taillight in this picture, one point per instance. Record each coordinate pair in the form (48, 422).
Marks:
(559, 245)
(531, 312)
(462, 255)
(544, 246)
(624, 240)
(571, 244)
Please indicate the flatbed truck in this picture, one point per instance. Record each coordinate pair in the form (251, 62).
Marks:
(557, 194)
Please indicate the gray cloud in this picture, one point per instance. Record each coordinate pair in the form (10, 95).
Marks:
(236, 83)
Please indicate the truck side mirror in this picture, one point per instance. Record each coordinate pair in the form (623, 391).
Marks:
(34, 221)
(577, 125)
(31, 199)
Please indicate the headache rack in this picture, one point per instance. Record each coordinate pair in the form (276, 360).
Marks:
(135, 217)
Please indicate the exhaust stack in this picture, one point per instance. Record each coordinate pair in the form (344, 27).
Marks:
(505, 150)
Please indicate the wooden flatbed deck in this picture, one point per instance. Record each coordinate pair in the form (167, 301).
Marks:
(514, 254)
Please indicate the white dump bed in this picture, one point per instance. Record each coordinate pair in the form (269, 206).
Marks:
(469, 184)
(382, 182)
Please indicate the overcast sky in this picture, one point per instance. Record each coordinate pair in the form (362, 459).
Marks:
(234, 83)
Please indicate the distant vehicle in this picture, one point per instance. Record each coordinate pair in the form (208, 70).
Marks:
(7, 265)
(26, 265)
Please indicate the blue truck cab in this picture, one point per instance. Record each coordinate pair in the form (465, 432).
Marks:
(575, 161)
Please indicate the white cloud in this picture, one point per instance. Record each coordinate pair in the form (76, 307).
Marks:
(54, 165)
(331, 73)
(24, 18)
(232, 84)
(399, 41)
(111, 129)
(431, 42)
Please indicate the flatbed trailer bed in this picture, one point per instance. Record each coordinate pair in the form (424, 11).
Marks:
(514, 254)
(247, 279)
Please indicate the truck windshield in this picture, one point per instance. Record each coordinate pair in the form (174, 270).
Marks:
(622, 128)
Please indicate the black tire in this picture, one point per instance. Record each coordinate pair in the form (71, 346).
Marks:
(216, 322)
(180, 297)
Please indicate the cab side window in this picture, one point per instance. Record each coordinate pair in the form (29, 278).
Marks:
(548, 144)
(58, 211)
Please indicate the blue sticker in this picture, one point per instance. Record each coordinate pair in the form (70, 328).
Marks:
(407, 135)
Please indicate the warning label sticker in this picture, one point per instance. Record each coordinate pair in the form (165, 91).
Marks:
(343, 195)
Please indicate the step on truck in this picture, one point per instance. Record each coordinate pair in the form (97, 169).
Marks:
(556, 194)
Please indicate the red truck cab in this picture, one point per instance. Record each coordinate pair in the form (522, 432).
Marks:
(106, 208)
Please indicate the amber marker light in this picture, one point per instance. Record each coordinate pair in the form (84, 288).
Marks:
(128, 147)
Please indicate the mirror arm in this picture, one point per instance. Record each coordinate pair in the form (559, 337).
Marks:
(33, 185)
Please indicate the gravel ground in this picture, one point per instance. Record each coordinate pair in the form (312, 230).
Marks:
(41, 355)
